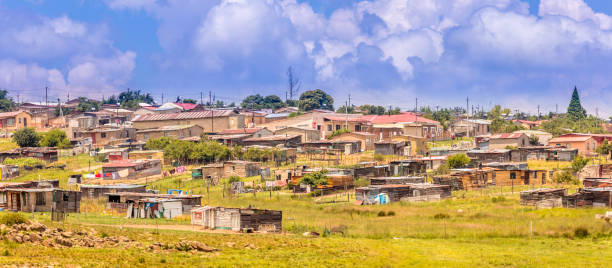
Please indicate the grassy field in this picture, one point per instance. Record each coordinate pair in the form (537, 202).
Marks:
(7, 144)
(487, 228)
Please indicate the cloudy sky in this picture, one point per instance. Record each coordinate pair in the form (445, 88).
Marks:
(518, 53)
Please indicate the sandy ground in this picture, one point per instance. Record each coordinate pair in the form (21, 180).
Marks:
(177, 227)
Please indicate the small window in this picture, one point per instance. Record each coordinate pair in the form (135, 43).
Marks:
(337, 127)
(512, 175)
(233, 168)
(318, 127)
(357, 128)
(66, 197)
(19, 120)
(103, 135)
(146, 136)
(165, 134)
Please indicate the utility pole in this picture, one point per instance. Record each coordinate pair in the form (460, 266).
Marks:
(349, 100)
(467, 112)
(162, 99)
(556, 109)
(201, 99)
(212, 113)
(47, 104)
(538, 111)
(346, 111)
(416, 104)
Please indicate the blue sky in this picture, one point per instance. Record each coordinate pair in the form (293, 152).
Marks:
(516, 53)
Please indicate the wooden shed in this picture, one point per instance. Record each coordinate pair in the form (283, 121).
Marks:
(403, 192)
(96, 191)
(238, 219)
(43, 200)
(396, 180)
(543, 198)
(589, 197)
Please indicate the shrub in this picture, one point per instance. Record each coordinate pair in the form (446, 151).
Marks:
(458, 160)
(233, 179)
(581, 232)
(381, 214)
(442, 169)
(6, 253)
(579, 163)
(55, 138)
(564, 177)
(26, 137)
(11, 219)
(498, 199)
(441, 216)
(28, 161)
(379, 157)
(141, 260)
(315, 178)
(338, 132)
(362, 182)
(391, 213)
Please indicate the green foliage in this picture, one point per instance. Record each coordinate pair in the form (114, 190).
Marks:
(26, 137)
(233, 179)
(498, 199)
(259, 102)
(189, 101)
(458, 160)
(256, 154)
(379, 157)
(315, 99)
(55, 138)
(563, 124)
(87, 105)
(362, 182)
(130, 99)
(294, 114)
(575, 111)
(315, 178)
(442, 169)
(381, 214)
(210, 151)
(534, 140)
(368, 109)
(12, 218)
(444, 116)
(338, 132)
(605, 148)
(441, 216)
(581, 232)
(27, 161)
(498, 123)
(579, 163)
(390, 213)
(6, 104)
(158, 143)
(564, 176)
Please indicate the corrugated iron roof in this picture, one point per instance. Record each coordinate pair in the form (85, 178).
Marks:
(273, 138)
(182, 116)
(506, 136)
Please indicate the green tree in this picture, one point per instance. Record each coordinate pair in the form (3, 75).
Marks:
(534, 140)
(458, 160)
(189, 101)
(130, 99)
(575, 110)
(26, 137)
(259, 102)
(158, 143)
(86, 105)
(315, 178)
(579, 163)
(6, 104)
(315, 99)
(55, 138)
(605, 148)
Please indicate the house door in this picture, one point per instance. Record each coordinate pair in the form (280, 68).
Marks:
(235, 219)
(25, 122)
(15, 202)
(526, 178)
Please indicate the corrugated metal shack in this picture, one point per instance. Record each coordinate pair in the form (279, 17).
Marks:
(597, 182)
(543, 197)
(467, 178)
(48, 154)
(372, 171)
(43, 200)
(154, 208)
(396, 180)
(120, 201)
(408, 167)
(589, 197)
(238, 219)
(403, 192)
(96, 191)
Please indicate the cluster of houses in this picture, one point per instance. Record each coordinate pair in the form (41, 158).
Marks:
(596, 192)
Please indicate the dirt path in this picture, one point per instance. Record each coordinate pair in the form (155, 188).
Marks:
(88, 168)
(177, 227)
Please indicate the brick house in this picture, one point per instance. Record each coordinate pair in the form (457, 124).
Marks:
(585, 144)
(210, 121)
(503, 140)
(15, 120)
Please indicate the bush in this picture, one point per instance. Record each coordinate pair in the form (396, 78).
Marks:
(498, 199)
(379, 157)
(381, 214)
(28, 161)
(458, 160)
(55, 138)
(442, 169)
(233, 179)
(579, 163)
(26, 137)
(11, 219)
(337, 133)
(441, 216)
(391, 213)
(315, 178)
(362, 182)
(565, 177)
(581, 232)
